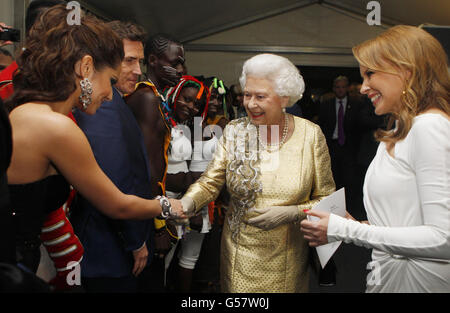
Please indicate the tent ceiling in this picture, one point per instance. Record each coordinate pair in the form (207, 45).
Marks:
(218, 36)
(196, 19)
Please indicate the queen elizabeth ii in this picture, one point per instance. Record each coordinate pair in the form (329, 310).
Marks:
(275, 166)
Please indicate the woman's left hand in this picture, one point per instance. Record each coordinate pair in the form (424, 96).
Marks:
(274, 216)
(316, 232)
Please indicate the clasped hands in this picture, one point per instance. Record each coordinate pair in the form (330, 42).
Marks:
(271, 217)
(182, 209)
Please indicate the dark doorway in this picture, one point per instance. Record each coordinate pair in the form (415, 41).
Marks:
(321, 77)
(319, 82)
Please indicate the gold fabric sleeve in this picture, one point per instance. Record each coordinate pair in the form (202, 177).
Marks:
(323, 182)
(209, 185)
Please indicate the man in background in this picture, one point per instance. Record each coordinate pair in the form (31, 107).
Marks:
(164, 57)
(338, 121)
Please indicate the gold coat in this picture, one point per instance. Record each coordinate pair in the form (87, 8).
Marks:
(299, 173)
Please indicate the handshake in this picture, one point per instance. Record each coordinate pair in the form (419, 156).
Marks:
(177, 209)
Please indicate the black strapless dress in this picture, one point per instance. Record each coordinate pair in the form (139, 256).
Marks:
(31, 203)
(7, 250)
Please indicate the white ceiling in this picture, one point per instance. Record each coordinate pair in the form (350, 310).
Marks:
(189, 20)
(220, 35)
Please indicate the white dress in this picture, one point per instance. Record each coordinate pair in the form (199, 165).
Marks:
(192, 241)
(407, 199)
(180, 152)
(202, 154)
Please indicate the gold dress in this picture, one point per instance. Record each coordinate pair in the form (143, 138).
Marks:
(299, 173)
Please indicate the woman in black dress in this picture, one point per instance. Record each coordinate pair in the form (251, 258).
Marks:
(64, 66)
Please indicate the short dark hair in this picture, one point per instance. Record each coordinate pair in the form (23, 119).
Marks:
(128, 30)
(6, 52)
(340, 78)
(35, 9)
(158, 44)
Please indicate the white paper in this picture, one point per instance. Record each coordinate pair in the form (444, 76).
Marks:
(334, 203)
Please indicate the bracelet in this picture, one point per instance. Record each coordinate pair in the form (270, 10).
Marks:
(165, 206)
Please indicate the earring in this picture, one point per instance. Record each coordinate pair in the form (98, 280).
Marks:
(86, 93)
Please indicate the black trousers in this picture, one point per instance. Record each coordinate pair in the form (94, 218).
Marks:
(7, 231)
(128, 284)
(343, 166)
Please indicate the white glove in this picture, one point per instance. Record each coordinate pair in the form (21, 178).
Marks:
(274, 216)
(188, 205)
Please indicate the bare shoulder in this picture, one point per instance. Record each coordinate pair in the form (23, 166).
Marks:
(143, 94)
(38, 134)
(40, 122)
(144, 103)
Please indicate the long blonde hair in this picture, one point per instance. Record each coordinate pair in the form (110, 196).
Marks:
(411, 49)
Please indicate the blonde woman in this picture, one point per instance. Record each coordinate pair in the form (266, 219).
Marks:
(406, 189)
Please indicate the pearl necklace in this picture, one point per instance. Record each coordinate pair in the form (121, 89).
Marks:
(276, 146)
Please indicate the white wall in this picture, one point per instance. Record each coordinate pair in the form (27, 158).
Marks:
(313, 27)
(7, 11)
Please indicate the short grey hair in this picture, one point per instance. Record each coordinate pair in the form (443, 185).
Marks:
(340, 78)
(283, 73)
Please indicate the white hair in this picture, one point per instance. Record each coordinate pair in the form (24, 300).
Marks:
(284, 75)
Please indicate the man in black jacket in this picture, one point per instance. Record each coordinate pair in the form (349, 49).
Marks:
(338, 121)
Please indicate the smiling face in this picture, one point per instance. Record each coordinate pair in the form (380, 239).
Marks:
(340, 89)
(383, 89)
(262, 103)
(215, 103)
(130, 67)
(186, 106)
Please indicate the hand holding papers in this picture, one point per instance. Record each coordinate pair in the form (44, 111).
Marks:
(334, 203)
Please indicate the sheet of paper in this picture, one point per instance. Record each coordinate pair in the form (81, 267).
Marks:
(334, 203)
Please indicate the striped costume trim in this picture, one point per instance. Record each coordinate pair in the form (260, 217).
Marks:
(57, 240)
(53, 227)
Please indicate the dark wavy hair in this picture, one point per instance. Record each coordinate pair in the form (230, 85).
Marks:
(47, 65)
(128, 30)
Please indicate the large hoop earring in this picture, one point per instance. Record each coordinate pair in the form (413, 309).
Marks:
(86, 93)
